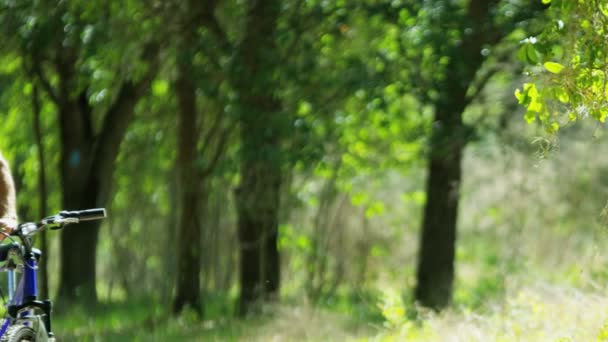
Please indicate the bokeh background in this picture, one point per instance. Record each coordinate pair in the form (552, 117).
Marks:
(303, 170)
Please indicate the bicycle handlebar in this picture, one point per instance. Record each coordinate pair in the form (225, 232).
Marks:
(25, 230)
(60, 220)
(85, 215)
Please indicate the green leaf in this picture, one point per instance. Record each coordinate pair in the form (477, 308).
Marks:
(304, 108)
(531, 54)
(553, 67)
(527, 95)
(603, 114)
(160, 87)
(522, 53)
(553, 128)
(546, 2)
(519, 96)
(530, 117)
(562, 95)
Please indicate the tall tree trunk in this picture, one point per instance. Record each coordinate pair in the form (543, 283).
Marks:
(435, 272)
(79, 189)
(250, 234)
(436, 256)
(78, 255)
(42, 193)
(257, 200)
(190, 193)
(262, 127)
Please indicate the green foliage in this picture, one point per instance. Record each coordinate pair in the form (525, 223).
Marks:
(572, 50)
(393, 309)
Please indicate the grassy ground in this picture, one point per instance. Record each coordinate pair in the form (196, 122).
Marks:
(552, 289)
(537, 312)
(142, 320)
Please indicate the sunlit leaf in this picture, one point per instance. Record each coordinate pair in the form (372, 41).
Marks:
(553, 67)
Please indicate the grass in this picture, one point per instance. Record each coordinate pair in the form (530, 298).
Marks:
(139, 320)
(537, 312)
(525, 312)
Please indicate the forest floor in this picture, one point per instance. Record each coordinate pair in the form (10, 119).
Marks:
(539, 312)
(533, 312)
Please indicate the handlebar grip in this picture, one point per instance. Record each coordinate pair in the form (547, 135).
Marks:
(86, 215)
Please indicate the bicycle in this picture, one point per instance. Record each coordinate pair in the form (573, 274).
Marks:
(27, 317)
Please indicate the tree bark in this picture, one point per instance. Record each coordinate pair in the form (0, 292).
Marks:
(437, 247)
(272, 271)
(190, 193)
(79, 188)
(42, 192)
(435, 273)
(262, 129)
(257, 199)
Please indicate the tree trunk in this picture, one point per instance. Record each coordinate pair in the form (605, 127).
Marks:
(436, 256)
(190, 194)
(435, 272)
(42, 193)
(272, 271)
(87, 165)
(262, 129)
(78, 252)
(79, 189)
(250, 272)
(257, 199)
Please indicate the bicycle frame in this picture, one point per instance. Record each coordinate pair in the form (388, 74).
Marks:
(23, 295)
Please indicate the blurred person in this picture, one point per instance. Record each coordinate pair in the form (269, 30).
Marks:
(8, 206)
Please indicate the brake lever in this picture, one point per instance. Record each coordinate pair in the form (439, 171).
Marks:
(54, 226)
(59, 222)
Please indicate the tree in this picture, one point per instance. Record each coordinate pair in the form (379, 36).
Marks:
(190, 189)
(259, 60)
(262, 131)
(56, 42)
(457, 42)
(203, 133)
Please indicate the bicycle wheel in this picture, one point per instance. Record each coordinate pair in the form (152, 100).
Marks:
(19, 333)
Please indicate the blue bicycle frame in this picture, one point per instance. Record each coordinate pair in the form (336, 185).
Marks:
(25, 294)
